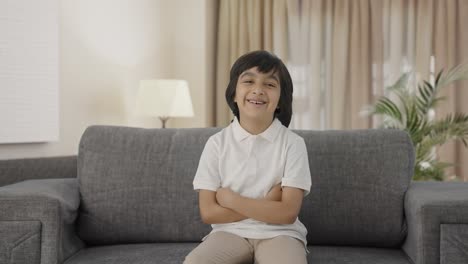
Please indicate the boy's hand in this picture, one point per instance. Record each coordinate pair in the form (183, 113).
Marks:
(275, 193)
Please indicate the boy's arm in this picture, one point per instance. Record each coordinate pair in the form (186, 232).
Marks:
(273, 212)
(213, 213)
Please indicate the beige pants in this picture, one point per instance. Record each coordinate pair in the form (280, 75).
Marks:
(226, 248)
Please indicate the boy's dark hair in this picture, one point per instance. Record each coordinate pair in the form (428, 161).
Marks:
(265, 63)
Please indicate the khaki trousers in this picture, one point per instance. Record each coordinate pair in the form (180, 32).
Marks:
(227, 248)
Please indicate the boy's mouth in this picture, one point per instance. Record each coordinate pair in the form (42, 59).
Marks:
(257, 102)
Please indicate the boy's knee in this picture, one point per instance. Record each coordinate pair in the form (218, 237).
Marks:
(196, 259)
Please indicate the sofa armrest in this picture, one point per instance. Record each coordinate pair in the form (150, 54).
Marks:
(37, 219)
(17, 170)
(437, 217)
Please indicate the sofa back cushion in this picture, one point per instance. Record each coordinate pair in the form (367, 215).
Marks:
(359, 180)
(136, 186)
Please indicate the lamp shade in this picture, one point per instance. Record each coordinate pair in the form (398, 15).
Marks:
(164, 98)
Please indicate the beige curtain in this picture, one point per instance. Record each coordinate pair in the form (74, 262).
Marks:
(326, 44)
(243, 26)
(330, 60)
(356, 48)
(341, 54)
(353, 50)
(450, 48)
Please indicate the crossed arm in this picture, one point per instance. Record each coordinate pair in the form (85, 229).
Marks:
(226, 206)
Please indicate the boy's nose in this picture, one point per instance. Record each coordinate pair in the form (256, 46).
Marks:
(258, 90)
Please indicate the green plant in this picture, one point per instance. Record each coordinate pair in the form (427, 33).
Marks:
(412, 108)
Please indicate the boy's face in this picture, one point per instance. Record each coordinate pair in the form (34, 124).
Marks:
(257, 94)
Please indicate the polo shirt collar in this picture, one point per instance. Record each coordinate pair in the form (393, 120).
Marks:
(269, 134)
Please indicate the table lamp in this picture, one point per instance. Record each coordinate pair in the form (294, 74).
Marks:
(164, 99)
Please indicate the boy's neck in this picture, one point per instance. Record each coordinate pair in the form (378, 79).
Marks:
(255, 126)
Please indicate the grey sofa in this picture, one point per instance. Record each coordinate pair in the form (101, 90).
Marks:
(127, 198)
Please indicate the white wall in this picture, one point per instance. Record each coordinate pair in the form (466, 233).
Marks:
(107, 46)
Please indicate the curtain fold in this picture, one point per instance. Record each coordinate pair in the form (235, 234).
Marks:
(462, 96)
(359, 67)
(315, 41)
(336, 112)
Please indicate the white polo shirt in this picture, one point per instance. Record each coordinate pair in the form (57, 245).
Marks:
(251, 165)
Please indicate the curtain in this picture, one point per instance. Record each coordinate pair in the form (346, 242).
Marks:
(450, 48)
(353, 49)
(341, 54)
(243, 26)
(330, 63)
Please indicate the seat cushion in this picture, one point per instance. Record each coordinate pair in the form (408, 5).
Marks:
(356, 255)
(167, 253)
(172, 253)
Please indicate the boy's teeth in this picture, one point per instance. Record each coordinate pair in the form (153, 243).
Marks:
(256, 102)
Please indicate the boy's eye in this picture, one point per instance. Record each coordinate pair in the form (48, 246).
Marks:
(248, 81)
(271, 85)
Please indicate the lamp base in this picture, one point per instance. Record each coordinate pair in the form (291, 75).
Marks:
(163, 120)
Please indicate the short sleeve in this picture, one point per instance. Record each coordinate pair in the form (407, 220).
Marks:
(296, 171)
(207, 175)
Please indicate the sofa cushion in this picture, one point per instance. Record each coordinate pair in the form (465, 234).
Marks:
(359, 180)
(136, 185)
(174, 253)
(356, 255)
(167, 253)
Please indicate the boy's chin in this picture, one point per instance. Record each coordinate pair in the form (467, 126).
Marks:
(257, 117)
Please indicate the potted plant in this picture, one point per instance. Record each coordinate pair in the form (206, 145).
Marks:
(412, 108)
